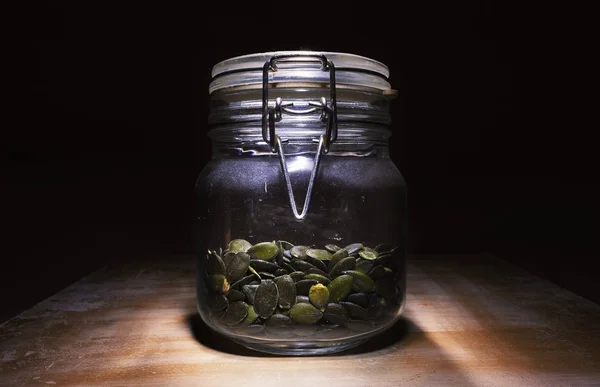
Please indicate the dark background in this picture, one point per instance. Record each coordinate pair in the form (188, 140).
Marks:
(104, 132)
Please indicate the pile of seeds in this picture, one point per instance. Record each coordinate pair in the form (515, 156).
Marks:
(302, 289)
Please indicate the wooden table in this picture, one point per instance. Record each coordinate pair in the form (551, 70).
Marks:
(471, 320)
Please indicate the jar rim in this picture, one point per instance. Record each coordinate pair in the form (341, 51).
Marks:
(351, 70)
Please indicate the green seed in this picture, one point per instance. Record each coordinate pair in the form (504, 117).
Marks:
(235, 313)
(218, 283)
(261, 265)
(383, 247)
(303, 286)
(353, 248)
(336, 257)
(317, 263)
(280, 272)
(249, 292)
(266, 251)
(356, 311)
(266, 298)
(254, 272)
(235, 295)
(368, 253)
(237, 266)
(251, 317)
(239, 245)
(287, 254)
(305, 314)
(382, 259)
(278, 321)
(266, 275)
(227, 257)
(297, 275)
(216, 302)
(287, 291)
(302, 265)
(302, 299)
(299, 252)
(286, 245)
(386, 288)
(319, 278)
(332, 248)
(214, 264)
(361, 299)
(243, 281)
(336, 314)
(317, 271)
(379, 272)
(319, 296)
(343, 265)
(322, 255)
(340, 287)
(362, 283)
(364, 266)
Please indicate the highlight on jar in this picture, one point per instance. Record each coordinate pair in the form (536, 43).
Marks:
(280, 290)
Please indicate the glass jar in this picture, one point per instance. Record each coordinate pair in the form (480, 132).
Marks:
(300, 128)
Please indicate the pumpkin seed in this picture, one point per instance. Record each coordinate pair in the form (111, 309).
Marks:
(379, 272)
(386, 288)
(356, 311)
(361, 299)
(301, 265)
(340, 287)
(266, 251)
(322, 255)
(280, 272)
(317, 271)
(237, 266)
(353, 248)
(216, 302)
(266, 275)
(383, 247)
(305, 314)
(319, 296)
(256, 274)
(368, 253)
(218, 283)
(336, 314)
(286, 253)
(235, 295)
(249, 292)
(243, 281)
(332, 248)
(235, 313)
(302, 299)
(289, 268)
(382, 260)
(214, 264)
(343, 265)
(336, 257)
(286, 245)
(287, 291)
(319, 278)
(239, 245)
(297, 275)
(299, 252)
(364, 266)
(227, 257)
(317, 263)
(266, 298)
(261, 265)
(278, 321)
(303, 286)
(362, 283)
(305, 330)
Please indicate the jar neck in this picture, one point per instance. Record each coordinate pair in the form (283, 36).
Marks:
(362, 122)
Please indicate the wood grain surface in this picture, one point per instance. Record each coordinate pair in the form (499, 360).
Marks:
(471, 320)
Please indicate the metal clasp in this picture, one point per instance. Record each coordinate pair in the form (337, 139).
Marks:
(272, 115)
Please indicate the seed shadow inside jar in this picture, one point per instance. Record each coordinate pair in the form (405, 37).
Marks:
(382, 343)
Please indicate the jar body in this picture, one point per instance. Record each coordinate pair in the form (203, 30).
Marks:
(354, 200)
